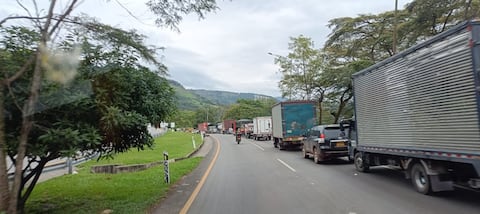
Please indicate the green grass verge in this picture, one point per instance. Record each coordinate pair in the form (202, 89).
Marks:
(123, 193)
(177, 144)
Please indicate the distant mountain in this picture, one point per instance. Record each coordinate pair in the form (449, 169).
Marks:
(225, 97)
(191, 99)
(186, 100)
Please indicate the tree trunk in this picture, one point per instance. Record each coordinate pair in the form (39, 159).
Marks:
(4, 190)
(320, 109)
(35, 173)
(467, 8)
(27, 122)
(341, 106)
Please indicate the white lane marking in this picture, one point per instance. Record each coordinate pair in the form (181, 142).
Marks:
(258, 146)
(288, 166)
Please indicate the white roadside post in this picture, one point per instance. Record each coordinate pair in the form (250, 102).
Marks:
(193, 142)
(166, 167)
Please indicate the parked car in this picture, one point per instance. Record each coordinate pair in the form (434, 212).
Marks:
(324, 142)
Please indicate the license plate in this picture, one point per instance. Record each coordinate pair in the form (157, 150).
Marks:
(340, 144)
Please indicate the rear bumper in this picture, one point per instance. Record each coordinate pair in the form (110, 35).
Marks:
(291, 143)
(335, 153)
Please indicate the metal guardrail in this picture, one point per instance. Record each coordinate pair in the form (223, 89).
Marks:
(62, 165)
(66, 164)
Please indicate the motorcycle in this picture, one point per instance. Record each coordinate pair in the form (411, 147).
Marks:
(239, 138)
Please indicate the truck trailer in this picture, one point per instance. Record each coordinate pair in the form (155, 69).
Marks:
(420, 110)
(262, 128)
(290, 121)
(229, 126)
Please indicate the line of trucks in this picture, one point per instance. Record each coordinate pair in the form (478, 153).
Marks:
(418, 110)
(258, 128)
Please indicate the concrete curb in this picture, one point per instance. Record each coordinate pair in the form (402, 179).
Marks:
(114, 169)
(189, 155)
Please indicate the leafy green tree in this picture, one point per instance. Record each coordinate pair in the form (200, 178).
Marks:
(303, 72)
(300, 69)
(358, 42)
(431, 17)
(341, 93)
(209, 114)
(184, 119)
(248, 109)
(52, 104)
(365, 37)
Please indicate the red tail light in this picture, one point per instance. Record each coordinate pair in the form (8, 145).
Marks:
(322, 136)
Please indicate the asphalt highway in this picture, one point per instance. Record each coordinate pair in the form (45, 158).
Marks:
(254, 177)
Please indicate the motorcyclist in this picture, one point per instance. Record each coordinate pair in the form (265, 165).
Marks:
(238, 136)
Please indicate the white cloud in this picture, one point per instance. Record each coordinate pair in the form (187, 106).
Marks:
(228, 50)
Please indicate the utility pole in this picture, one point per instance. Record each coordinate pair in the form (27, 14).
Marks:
(280, 57)
(394, 48)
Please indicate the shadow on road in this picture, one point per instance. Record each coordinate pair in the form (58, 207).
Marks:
(461, 195)
(336, 161)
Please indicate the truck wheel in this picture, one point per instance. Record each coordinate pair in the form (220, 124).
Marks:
(304, 152)
(360, 165)
(420, 179)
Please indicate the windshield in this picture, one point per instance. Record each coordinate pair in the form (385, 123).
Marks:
(334, 132)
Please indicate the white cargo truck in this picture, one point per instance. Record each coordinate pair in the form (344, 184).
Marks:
(262, 128)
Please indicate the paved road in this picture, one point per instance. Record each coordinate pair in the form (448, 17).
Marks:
(253, 177)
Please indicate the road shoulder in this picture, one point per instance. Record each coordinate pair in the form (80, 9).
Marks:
(178, 195)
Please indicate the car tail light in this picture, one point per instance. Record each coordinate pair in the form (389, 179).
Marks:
(322, 136)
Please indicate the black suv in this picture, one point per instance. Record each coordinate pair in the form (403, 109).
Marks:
(325, 142)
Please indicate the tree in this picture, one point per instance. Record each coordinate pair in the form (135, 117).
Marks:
(184, 119)
(431, 17)
(303, 72)
(248, 109)
(36, 75)
(358, 42)
(365, 37)
(341, 93)
(209, 114)
(300, 68)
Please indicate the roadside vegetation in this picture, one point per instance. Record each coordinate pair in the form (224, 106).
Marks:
(134, 192)
(70, 83)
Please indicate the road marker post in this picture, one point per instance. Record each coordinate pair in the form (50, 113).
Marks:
(193, 142)
(166, 168)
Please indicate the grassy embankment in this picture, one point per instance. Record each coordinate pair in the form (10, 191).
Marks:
(123, 193)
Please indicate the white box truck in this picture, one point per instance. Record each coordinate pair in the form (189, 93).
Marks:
(262, 128)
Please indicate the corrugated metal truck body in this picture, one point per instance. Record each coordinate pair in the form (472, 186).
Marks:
(422, 106)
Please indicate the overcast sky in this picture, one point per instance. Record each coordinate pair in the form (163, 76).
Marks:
(228, 49)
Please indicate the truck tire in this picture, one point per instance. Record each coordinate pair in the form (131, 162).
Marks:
(360, 165)
(304, 152)
(420, 179)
